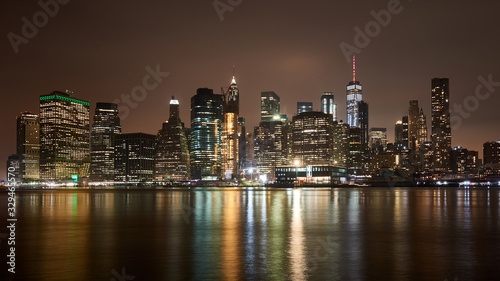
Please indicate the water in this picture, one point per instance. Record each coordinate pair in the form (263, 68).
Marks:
(259, 234)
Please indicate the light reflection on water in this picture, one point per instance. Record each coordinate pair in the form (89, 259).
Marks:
(263, 234)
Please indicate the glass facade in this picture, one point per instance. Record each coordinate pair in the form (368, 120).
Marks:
(441, 127)
(230, 137)
(134, 157)
(312, 138)
(102, 141)
(269, 106)
(304, 107)
(64, 137)
(328, 105)
(207, 117)
(28, 146)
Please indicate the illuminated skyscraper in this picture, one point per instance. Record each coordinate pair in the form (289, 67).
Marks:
(172, 153)
(413, 124)
(378, 139)
(441, 128)
(405, 131)
(328, 105)
(207, 116)
(398, 133)
(230, 137)
(363, 122)
(312, 138)
(340, 144)
(354, 97)
(64, 136)
(269, 106)
(304, 107)
(134, 157)
(102, 141)
(269, 147)
(28, 146)
(422, 128)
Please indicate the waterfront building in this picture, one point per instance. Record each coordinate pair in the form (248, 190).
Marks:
(102, 141)
(28, 146)
(64, 137)
(441, 128)
(134, 157)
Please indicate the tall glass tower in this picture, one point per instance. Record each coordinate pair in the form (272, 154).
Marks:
(328, 105)
(441, 128)
(207, 117)
(354, 96)
(28, 146)
(269, 106)
(64, 136)
(102, 141)
(230, 138)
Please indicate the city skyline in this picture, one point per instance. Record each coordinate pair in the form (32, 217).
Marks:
(391, 76)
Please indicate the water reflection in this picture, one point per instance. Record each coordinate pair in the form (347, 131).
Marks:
(234, 234)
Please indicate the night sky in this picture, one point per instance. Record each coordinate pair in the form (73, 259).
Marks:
(101, 49)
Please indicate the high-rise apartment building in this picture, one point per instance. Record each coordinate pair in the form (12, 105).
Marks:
(441, 128)
(312, 139)
(230, 137)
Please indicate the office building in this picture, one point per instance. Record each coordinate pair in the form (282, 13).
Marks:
(14, 169)
(463, 161)
(491, 152)
(378, 139)
(340, 144)
(102, 141)
(304, 107)
(172, 153)
(269, 106)
(134, 157)
(64, 137)
(354, 97)
(207, 120)
(328, 105)
(28, 146)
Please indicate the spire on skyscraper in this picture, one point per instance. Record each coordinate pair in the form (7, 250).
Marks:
(233, 82)
(353, 68)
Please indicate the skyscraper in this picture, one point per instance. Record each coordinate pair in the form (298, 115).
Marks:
(269, 106)
(378, 139)
(134, 157)
(207, 116)
(413, 124)
(312, 138)
(491, 152)
(354, 96)
(328, 105)
(422, 128)
(172, 153)
(102, 141)
(28, 146)
(363, 122)
(270, 147)
(405, 131)
(64, 136)
(304, 107)
(340, 144)
(398, 133)
(230, 138)
(441, 128)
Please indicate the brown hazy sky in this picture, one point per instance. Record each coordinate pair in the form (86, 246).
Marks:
(100, 50)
